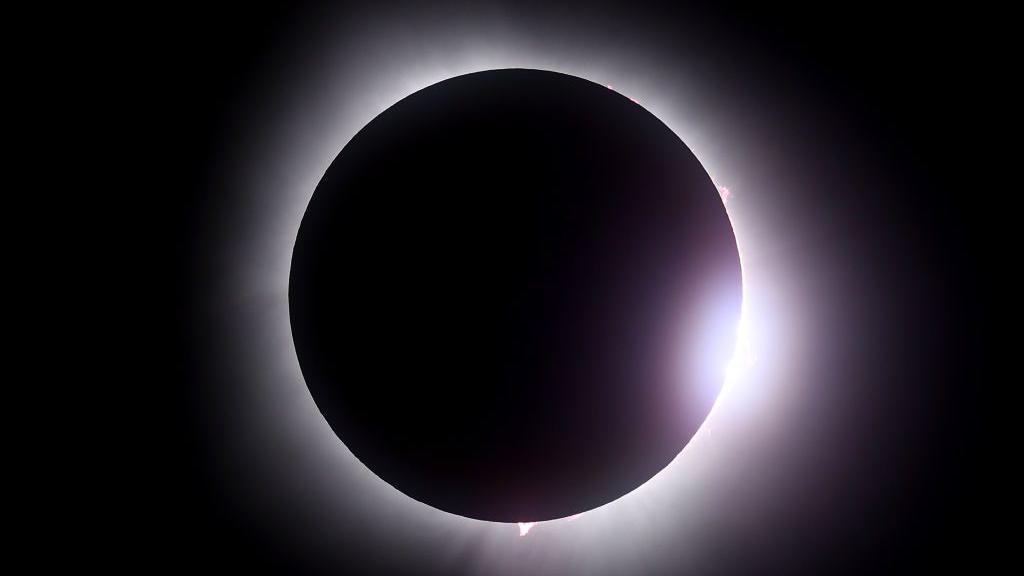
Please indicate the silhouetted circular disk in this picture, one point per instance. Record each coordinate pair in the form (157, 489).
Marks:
(513, 295)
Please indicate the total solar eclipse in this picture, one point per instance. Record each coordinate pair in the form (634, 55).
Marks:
(498, 295)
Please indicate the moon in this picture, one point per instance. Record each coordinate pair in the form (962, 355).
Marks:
(500, 291)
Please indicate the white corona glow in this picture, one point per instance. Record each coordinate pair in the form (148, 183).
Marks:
(338, 87)
(524, 528)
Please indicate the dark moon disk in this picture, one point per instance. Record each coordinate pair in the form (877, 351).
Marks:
(513, 295)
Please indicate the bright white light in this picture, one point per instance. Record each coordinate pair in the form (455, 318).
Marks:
(524, 528)
(743, 358)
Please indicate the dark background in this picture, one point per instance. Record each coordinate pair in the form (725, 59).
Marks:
(897, 112)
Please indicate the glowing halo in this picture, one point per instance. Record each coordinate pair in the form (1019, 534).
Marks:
(277, 435)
